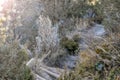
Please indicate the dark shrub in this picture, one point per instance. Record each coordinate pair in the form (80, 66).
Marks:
(69, 44)
(76, 38)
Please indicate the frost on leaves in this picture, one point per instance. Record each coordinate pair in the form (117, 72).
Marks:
(47, 38)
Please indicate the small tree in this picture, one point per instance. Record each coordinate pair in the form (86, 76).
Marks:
(47, 38)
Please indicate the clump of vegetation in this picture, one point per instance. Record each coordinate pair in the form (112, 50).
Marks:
(88, 58)
(114, 74)
(76, 38)
(69, 44)
(104, 51)
(77, 9)
(103, 67)
(12, 63)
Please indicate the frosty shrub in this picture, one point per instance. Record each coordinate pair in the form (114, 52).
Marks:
(47, 38)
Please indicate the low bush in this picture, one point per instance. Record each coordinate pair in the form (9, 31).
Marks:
(69, 44)
(12, 63)
(76, 38)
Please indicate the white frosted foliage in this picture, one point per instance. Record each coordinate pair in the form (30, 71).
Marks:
(47, 34)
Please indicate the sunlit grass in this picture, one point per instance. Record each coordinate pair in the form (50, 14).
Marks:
(3, 29)
(92, 2)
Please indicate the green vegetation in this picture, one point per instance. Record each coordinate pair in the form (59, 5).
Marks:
(32, 24)
(103, 64)
(69, 44)
(12, 63)
(76, 38)
(78, 9)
